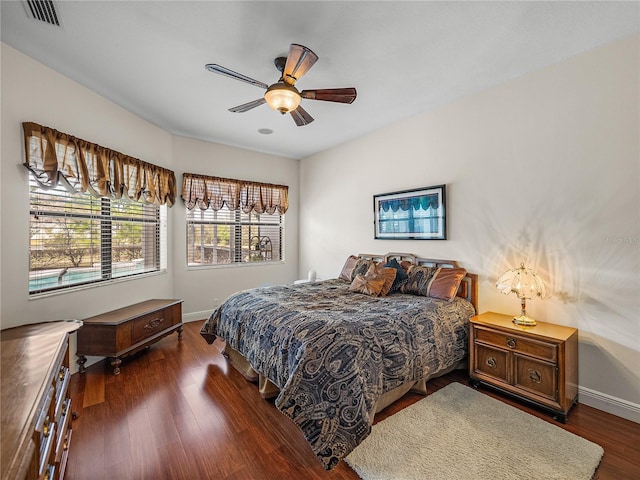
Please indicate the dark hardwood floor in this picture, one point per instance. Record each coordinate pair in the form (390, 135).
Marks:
(178, 411)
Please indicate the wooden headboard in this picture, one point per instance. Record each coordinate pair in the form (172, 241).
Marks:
(468, 287)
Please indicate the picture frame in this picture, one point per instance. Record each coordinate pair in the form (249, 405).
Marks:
(418, 214)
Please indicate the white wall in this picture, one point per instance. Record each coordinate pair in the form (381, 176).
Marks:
(543, 169)
(204, 288)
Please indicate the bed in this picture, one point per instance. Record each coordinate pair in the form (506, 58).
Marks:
(335, 352)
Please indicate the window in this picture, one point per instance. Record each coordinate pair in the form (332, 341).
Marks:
(77, 239)
(218, 237)
(96, 215)
(233, 221)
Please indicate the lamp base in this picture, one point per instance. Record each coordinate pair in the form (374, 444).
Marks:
(524, 320)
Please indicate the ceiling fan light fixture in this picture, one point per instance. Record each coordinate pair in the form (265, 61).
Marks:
(282, 97)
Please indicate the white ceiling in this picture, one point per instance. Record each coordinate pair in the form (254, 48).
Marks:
(403, 57)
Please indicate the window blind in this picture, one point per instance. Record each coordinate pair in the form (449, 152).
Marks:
(77, 239)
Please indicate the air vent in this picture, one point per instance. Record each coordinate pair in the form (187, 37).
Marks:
(43, 10)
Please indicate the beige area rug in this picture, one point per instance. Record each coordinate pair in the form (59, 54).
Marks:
(460, 433)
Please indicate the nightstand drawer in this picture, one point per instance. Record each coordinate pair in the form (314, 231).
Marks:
(537, 377)
(528, 346)
(491, 361)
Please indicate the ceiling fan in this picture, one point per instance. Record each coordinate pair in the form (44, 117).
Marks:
(283, 96)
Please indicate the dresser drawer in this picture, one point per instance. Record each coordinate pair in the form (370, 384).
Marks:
(62, 464)
(47, 444)
(44, 415)
(527, 346)
(49, 473)
(536, 377)
(62, 389)
(64, 430)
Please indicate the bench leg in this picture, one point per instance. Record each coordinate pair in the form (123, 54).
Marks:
(81, 361)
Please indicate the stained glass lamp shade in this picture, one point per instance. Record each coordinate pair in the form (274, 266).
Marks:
(526, 284)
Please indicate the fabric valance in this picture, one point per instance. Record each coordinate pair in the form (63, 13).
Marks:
(57, 158)
(215, 192)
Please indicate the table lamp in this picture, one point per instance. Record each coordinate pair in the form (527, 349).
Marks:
(526, 284)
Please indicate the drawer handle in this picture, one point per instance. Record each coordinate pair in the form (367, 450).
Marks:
(48, 475)
(61, 373)
(65, 445)
(535, 376)
(153, 324)
(492, 362)
(46, 429)
(512, 342)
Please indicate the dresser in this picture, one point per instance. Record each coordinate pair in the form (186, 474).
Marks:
(537, 364)
(36, 406)
(127, 330)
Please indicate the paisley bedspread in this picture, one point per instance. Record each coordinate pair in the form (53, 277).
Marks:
(333, 352)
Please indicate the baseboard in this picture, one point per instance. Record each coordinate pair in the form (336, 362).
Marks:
(610, 404)
(195, 316)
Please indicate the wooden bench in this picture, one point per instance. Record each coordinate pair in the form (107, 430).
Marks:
(127, 330)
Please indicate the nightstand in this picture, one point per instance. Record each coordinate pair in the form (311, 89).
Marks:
(536, 364)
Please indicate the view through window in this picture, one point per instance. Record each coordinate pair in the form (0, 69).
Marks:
(231, 236)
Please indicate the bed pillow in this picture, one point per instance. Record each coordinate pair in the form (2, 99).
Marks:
(406, 265)
(377, 281)
(418, 278)
(389, 276)
(401, 274)
(361, 267)
(345, 274)
(367, 284)
(445, 283)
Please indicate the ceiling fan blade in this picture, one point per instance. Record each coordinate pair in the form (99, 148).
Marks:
(301, 117)
(299, 61)
(247, 106)
(212, 67)
(340, 95)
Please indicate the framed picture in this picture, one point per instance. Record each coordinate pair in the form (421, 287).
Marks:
(418, 214)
